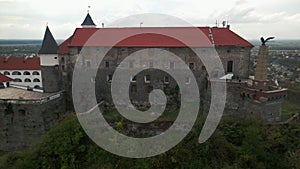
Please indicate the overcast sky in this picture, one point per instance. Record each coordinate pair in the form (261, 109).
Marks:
(27, 19)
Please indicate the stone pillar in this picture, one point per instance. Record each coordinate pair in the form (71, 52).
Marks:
(261, 72)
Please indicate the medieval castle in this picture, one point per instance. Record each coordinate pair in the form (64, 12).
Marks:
(36, 91)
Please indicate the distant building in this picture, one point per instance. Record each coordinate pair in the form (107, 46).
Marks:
(25, 71)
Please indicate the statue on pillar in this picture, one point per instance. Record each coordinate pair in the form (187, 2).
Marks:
(263, 41)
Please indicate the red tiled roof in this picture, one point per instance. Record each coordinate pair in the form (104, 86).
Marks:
(20, 63)
(226, 37)
(157, 37)
(63, 47)
(4, 78)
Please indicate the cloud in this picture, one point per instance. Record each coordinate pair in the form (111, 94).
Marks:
(27, 18)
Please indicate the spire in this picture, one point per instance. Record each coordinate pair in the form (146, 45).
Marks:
(88, 21)
(49, 45)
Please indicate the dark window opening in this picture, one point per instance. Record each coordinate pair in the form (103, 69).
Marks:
(37, 87)
(17, 80)
(35, 73)
(36, 80)
(88, 63)
(166, 79)
(230, 66)
(109, 78)
(16, 73)
(192, 66)
(133, 79)
(147, 79)
(107, 64)
(26, 73)
(27, 80)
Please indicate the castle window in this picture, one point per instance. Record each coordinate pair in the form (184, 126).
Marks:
(26, 73)
(203, 68)
(37, 87)
(27, 80)
(172, 65)
(151, 64)
(16, 73)
(187, 80)
(55, 57)
(93, 79)
(147, 79)
(36, 80)
(109, 78)
(56, 67)
(192, 65)
(107, 64)
(130, 64)
(230, 66)
(6, 73)
(166, 80)
(35, 73)
(133, 79)
(88, 63)
(17, 80)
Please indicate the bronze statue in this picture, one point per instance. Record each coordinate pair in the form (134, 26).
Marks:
(263, 41)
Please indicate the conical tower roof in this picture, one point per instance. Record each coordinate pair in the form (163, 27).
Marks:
(88, 21)
(49, 45)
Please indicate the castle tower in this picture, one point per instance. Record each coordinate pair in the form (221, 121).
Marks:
(263, 101)
(51, 74)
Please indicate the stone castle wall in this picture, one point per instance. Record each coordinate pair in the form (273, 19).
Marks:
(139, 90)
(22, 123)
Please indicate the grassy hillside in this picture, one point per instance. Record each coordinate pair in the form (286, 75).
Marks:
(237, 143)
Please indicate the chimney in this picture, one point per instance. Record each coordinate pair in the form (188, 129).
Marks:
(228, 26)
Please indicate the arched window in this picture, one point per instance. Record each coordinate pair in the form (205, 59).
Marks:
(36, 80)
(26, 73)
(17, 80)
(35, 73)
(37, 87)
(16, 73)
(230, 66)
(6, 73)
(27, 80)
